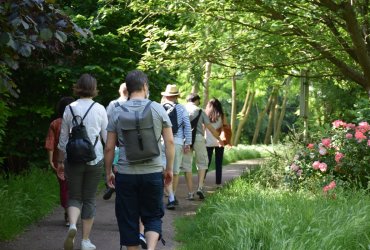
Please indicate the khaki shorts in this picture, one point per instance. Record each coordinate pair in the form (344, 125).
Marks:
(201, 156)
(179, 152)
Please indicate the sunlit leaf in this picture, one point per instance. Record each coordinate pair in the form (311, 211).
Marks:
(61, 36)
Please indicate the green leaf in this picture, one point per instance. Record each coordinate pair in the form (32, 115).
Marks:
(4, 38)
(46, 34)
(61, 36)
(26, 49)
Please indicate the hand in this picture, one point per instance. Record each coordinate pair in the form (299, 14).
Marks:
(167, 176)
(221, 143)
(53, 166)
(111, 180)
(60, 171)
(186, 149)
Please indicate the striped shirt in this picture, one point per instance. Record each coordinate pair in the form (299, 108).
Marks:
(183, 135)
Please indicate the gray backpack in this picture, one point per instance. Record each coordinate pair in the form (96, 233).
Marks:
(139, 139)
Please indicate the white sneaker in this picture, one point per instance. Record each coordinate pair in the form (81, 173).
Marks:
(87, 245)
(68, 243)
(190, 196)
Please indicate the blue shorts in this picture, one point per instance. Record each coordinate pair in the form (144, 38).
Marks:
(138, 196)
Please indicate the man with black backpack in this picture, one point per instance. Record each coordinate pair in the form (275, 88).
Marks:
(138, 125)
(181, 130)
(198, 120)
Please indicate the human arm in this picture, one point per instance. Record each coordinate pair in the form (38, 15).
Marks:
(214, 132)
(108, 158)
(187, 131)
(50, 158)
(170, 154)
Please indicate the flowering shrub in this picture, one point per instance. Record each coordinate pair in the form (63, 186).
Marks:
(344, 154)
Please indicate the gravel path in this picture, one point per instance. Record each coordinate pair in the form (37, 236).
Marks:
(49, 233)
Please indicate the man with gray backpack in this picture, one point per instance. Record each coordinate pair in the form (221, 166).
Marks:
(138, 125)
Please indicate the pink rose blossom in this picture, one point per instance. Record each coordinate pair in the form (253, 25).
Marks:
(310, 145)
(338, 156)
(349, 136)
(331, 185)
(299, 172)
(326, 142)
(360, 136)
(294, 167)
(322, 151)
(363, 126)
(316, 165)
(338, 123)
(350, 126)
(323, 167)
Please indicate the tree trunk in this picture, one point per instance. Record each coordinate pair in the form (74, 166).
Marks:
(281, 118)
(259, 120)
(271, 118)
(233, 106)
(207, 75)
(248, 103)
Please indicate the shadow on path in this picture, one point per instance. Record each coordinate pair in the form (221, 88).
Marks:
(49, 233)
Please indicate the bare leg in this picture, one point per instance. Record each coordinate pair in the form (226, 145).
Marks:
(189, 181)
(151, 239)
(133, 248)
(201, 174)
(175, 183)
(73, 214)
(86, 228)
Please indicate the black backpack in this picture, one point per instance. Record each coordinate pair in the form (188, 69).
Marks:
(139, 139)
(79, 147)
(172, 113)
(194, 124)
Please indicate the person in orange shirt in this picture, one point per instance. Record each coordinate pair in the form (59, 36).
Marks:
(51, 143)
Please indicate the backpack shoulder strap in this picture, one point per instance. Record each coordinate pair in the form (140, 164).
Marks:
(197, 117)
(74, 119)
(92, 104)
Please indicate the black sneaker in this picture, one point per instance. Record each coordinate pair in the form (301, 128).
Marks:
(108, 193)
(143, 241)
(171, 205)
(200, 193)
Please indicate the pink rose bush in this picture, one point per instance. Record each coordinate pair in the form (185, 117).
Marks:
(342, 154)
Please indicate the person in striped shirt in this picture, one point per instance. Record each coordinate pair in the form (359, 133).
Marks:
(182, 136)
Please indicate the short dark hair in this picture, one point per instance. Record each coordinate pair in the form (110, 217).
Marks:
(86, 86)
(62, 104)
(193, 97)
(135, 81)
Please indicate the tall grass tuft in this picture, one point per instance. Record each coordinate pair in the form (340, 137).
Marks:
(245, 215)
(25, 199)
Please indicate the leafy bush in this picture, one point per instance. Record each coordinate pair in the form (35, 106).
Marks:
(343, 154)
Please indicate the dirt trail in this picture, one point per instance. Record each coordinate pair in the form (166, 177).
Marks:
(49, 233)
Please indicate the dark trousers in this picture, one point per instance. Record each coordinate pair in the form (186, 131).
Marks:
(219, 156)
(138, 196)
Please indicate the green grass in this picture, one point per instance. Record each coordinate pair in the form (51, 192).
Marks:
(245, 215)
(26, 199)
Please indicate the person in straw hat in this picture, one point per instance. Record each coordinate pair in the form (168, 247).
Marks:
(182, 136)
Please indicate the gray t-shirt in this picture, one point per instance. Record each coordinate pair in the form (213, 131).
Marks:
(193, 111)
(160, 120)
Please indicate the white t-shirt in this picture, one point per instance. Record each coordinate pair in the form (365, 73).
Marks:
(211, 141)
(95, 122)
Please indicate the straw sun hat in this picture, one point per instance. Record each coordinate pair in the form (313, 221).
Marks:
(171, 90)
